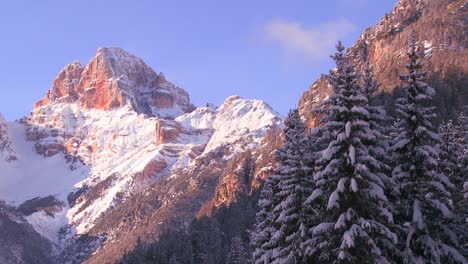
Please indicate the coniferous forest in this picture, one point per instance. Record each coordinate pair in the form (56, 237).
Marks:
(368, 184)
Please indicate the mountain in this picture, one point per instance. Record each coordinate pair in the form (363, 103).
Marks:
(114, 153)
(440, 25)
(115, 78)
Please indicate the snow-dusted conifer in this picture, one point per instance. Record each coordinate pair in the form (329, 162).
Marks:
(237, 254)
(316, 143)
(379, 122)
(424, 209)
(453, 163)
(294, 186)
(356, 215)
(451, 157)
(282, 220)
(264, 229)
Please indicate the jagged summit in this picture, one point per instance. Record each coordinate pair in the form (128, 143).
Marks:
(115, 78)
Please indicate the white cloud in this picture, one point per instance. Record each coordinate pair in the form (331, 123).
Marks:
(315, 42)
(354, 2)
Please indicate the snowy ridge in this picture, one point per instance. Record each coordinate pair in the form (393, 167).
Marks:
(201, 118)
(235, 119)
(32, 175)
(118, 144)
(120, 149)
(238, 118)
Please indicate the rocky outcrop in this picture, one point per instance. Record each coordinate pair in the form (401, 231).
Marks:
(65, 86)
(312, 98)
(115, 78)
(441, 28)
(6, 147)
(167, 131)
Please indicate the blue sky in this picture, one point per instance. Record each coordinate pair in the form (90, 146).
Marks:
(270, 50)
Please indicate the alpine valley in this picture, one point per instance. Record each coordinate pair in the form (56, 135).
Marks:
(115, 157)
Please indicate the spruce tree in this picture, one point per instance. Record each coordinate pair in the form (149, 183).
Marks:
(453, 164)
(379, 122)
(451, 158)
(264, 229)
(316, 143)
(349, 183)
(281, 229)
(294, 186)
(424, 210)
(236, 253)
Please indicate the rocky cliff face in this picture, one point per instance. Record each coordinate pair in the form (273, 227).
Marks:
(123, 154)
(115, 78)
(440, 26)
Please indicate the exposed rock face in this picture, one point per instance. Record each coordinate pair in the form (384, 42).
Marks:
(441, 28)
(167, 131)
(115, 78)
(318, 92)
(65, 86)
(6, 147)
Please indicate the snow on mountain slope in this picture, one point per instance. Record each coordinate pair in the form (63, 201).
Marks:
(7, 152)
(48, 226)
(239, 118)
(200, 118)
(234, 119)
(33, 175)
(117, 145)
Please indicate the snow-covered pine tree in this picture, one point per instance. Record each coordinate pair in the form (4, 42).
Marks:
(379, 147)
(237, 252)
(424, 209)
(294, 186)
(379, 122)
(281, 221)
(261, 236)
(356, 215)
(316, 143)
(453, 164)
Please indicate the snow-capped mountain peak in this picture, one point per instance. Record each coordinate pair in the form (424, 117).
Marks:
(115, 78)
(115, 130)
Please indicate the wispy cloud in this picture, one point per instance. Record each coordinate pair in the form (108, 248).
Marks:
(315, 42)
(355, 2)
